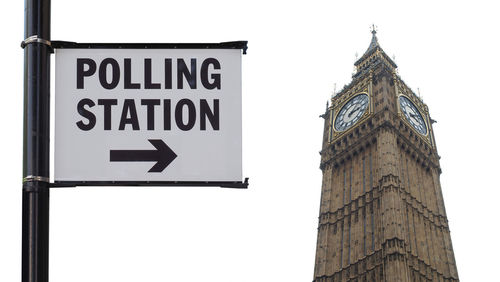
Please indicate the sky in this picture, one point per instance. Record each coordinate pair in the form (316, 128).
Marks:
(297, 52)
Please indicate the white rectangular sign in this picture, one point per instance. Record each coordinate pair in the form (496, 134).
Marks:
(148, 115)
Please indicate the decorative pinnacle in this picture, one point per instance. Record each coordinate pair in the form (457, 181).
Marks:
(374, 42)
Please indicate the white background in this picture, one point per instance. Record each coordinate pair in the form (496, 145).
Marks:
(297, 51)
(202, 155)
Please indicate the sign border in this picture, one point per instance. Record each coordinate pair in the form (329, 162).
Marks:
(223, 184)
(223, 45)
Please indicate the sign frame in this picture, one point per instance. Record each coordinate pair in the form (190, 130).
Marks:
(223, 45)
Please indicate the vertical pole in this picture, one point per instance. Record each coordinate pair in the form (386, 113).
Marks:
(35, 233)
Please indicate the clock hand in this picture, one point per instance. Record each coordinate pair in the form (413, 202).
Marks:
(416, 118)
(409, 110)
(352, 112)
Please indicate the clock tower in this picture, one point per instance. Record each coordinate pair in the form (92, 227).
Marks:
(382, 215)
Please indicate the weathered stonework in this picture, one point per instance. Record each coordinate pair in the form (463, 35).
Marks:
(382, 215)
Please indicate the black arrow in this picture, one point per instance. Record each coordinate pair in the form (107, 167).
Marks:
(163, 155)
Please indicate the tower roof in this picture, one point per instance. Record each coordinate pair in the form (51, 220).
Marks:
(374, 47)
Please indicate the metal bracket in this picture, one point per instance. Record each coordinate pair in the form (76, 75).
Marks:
(35, 184)
(35, 39)
(56, 44)
(222, 184)
(32, 178)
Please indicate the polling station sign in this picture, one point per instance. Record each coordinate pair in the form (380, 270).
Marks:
(148, 114)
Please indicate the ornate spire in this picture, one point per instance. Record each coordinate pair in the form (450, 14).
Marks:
(374, 42)
(372, 55)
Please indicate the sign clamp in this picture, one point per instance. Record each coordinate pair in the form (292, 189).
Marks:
(31, 178)
(35, 39)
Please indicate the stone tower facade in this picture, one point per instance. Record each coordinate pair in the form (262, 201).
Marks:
(382, 215)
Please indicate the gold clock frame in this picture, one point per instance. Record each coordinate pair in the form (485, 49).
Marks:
(403, 90)
(345, 103)
(422, 110)
(340, 101)
(422, 114)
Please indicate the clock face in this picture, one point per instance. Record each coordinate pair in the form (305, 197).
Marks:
(412, 115)
(351, 112)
